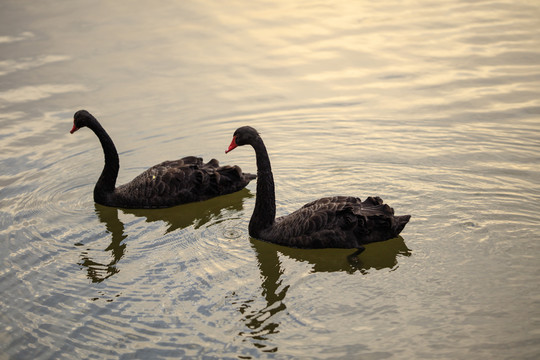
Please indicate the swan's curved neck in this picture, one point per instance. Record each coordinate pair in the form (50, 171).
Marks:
(264, 213)
(107, 180)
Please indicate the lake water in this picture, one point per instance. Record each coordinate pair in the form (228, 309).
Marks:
(432, 105)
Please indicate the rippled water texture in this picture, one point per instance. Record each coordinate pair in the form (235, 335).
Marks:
(432, 105)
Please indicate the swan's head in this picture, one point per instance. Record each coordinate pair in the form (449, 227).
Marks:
(242, 136)
(81, 119)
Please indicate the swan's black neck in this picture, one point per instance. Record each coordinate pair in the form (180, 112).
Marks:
(264, 213)
(107, 180)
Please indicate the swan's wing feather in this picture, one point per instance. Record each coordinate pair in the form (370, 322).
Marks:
(181, 181)
(339, 222)
(321, 215)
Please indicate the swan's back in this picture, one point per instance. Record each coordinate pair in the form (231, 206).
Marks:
(337, 222)
(180, 181)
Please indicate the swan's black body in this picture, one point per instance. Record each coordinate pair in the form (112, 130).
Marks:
(166, 184)
(331, 222)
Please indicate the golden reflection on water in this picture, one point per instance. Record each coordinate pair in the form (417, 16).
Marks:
(433, 105)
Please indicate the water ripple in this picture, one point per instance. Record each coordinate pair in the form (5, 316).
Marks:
(431, 105)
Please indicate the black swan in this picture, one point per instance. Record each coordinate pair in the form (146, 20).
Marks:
(330, 222)
(163, 185)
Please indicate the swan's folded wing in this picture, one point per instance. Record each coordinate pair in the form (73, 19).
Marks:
(340, 222)
(320, 215)
(181, 181)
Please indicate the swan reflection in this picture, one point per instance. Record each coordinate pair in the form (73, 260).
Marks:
(378, 256)
(98, 271)
(197, 214)
(262, 322)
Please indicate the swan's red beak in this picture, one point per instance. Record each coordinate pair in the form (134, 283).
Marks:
(74, 129)
(232, 146)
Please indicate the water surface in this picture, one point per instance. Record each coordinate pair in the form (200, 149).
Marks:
(432, 105)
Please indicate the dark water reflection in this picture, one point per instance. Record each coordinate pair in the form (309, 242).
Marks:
(97, 271)
(261, 322)
(178, 217)
(378, 256)
(197, 214)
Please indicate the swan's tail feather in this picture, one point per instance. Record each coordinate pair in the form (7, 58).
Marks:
(401, 221)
